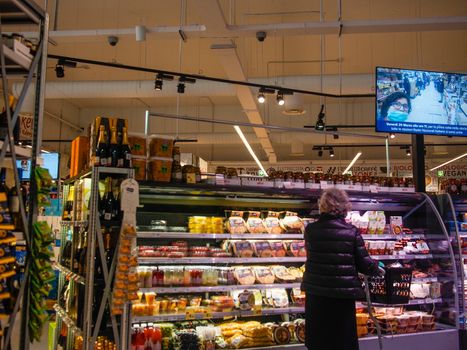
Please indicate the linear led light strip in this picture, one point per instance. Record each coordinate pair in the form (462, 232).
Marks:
(248, 147)
(449, 161)
(352, 162)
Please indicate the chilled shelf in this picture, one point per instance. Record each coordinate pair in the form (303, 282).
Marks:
(403, 257)
(217, 315)
(389, 236)
(220, 288)
(186, 235)
(232, 260)
(69, 274)
(410, 303)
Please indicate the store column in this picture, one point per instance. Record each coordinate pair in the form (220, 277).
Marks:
(418, 162)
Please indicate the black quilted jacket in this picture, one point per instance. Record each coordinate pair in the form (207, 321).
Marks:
(335, 254)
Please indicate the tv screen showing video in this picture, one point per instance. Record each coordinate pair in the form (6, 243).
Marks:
(421, 102)
(51, 161)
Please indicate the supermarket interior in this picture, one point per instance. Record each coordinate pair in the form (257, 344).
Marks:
(201, 175)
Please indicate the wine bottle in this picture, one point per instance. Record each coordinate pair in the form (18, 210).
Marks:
(116, 159)
(68, 207)
(61, 344)
(109, 201)
(102, 153)
(77, 253)
(117, 213)
(83, 255)
(125, 150)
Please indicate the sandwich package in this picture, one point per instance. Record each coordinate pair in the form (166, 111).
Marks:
(263, 275)
(291, 223)
(272, 223)
(235, 223)
(254, 223)
(244, 275)
(296, 248)
(278, 249)
(241, 249)
(262, 249)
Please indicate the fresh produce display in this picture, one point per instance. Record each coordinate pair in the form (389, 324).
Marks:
(41, 277)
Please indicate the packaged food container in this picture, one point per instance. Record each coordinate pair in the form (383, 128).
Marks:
(139, 166)
(160, 169)
(137, 145)
(161, 146)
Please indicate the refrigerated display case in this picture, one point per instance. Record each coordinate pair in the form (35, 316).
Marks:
(190, 270)
(453, 209)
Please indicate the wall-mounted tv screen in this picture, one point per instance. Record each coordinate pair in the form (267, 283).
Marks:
(421, 102)
(51, 161)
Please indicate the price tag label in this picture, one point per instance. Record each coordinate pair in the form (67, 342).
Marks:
(129, 195)
(373, 189)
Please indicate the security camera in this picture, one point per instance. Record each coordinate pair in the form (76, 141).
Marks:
(113, 40)
(260, 36)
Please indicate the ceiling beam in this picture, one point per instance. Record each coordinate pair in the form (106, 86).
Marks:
(211, 12)
(233, 68)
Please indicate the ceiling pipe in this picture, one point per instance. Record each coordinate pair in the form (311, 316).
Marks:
(293, 28)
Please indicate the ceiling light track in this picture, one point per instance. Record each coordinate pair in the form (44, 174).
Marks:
(285, 91)
(261, 126)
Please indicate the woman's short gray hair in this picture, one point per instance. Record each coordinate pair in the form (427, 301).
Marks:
(334, 201)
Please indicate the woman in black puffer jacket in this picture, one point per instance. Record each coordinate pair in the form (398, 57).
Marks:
(336, 254)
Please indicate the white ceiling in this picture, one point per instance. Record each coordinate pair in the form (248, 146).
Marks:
(285, 55)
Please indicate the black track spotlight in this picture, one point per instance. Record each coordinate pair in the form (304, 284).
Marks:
(320, 125)
(60, 70)
(407, 152)
(181, 88)
(261, 98)
(158, 82)
(184, 79)
(331, 152)
(392, 135)
(320, 153)
(280, 98)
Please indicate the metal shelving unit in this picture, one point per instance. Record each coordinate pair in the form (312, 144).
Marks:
(13, 65)
(91, 325)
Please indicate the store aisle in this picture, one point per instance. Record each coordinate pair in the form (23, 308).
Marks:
(426, 108)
